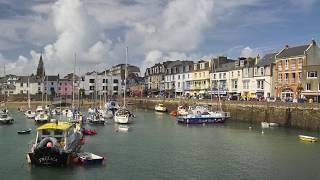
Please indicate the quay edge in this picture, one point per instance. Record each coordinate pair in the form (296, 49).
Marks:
(291, 115)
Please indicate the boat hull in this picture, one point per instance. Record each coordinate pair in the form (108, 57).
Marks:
(200, 120)
(49, 157)
(7, 121)
(308, 138)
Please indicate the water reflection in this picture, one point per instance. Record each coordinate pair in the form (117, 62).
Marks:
(122, 128)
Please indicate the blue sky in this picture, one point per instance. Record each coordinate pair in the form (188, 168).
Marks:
(154, 30)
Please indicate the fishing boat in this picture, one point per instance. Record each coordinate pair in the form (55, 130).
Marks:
(27, 131)
(87, 158)
(56, 144)
(6, 119)
(123, 115)
(308, 138)
(160, 108)
(112, 105)
(67, 112)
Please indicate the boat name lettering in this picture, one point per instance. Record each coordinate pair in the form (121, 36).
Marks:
(47, 158)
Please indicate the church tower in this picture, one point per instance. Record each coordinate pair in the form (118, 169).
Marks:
(40, 70)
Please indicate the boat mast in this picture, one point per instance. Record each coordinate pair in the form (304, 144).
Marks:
(74, 71)
(46, 77)
(125, 79)
(214, 69)
(29, 103)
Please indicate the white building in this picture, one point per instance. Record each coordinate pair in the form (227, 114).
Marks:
(99, 82)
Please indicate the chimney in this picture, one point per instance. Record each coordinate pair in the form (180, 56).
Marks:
(314, 42)
(287, 46)
(257, 59)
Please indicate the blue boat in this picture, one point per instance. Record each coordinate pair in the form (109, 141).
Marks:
(201, 115)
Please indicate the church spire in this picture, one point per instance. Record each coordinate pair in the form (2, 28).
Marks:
(40, 70)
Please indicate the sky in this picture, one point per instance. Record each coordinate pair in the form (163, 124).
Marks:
(89, 35)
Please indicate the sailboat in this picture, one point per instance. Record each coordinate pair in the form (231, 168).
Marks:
(123, 115)
(29, 113)
(5, 118)
(42, 115)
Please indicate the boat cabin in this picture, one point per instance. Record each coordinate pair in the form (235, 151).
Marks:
(60, 131)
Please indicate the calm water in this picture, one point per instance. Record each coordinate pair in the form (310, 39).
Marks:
(156, 147)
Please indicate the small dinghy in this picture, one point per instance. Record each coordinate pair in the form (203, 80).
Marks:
(27, 131)
(89, 132)
(88, 158)
(308, 138)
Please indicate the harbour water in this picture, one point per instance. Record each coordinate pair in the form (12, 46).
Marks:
(156, 147)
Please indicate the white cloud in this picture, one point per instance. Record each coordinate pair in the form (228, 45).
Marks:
(248, 52)
(99, 30)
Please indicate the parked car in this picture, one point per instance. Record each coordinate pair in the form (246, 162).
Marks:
(271, 99)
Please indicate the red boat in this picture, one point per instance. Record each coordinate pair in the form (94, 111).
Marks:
(89, 132)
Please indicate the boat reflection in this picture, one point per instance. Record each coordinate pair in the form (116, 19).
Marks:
(122, 128)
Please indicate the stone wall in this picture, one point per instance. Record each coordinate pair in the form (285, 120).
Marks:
(302, 116)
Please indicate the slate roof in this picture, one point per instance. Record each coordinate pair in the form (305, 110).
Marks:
(293, 51)
(52, 78)
(225, 67)
(267, 60)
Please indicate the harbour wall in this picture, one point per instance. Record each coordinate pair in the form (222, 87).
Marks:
(292, 115)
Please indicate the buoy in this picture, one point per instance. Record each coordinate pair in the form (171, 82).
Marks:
(49, 144)
(262, 132)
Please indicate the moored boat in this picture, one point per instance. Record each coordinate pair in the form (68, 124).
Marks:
(267, 124)
(201, 115)
(30, 114)
(6, 119)
(182, 111)
(160, 108)
(308, 138)
(56, 144)
(87, 158)
(27, 131)
(123, 116)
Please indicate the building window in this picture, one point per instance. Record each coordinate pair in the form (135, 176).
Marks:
(235, 84)
(179, 77)
(91, 80)
(51, 83)
(308, 87)
(286, 63)
(21, 91)
(280, 76)
(300, 76)
(195, 75)
(224, 75)
(60, 84)
(261, 71)
(115, 88)
(214, 76)
(59, 89)
(178, 84)
(199, 75)
(219, 75)
(65, 89)
(21, 84)
(183, 76)
(188, 76)
(312, 74)
(238, 73)
(116, 81)
(260, 84)
(91, 87)
(232, 74)
(286, 76)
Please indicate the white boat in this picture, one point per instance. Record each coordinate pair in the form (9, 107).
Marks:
(160, 108)
(96, 118)
(42, 118)
(182, 111)
(267, 124)
(123, 115)
(67, 112)
(30, 114)
(6, 119)
(107, 114)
